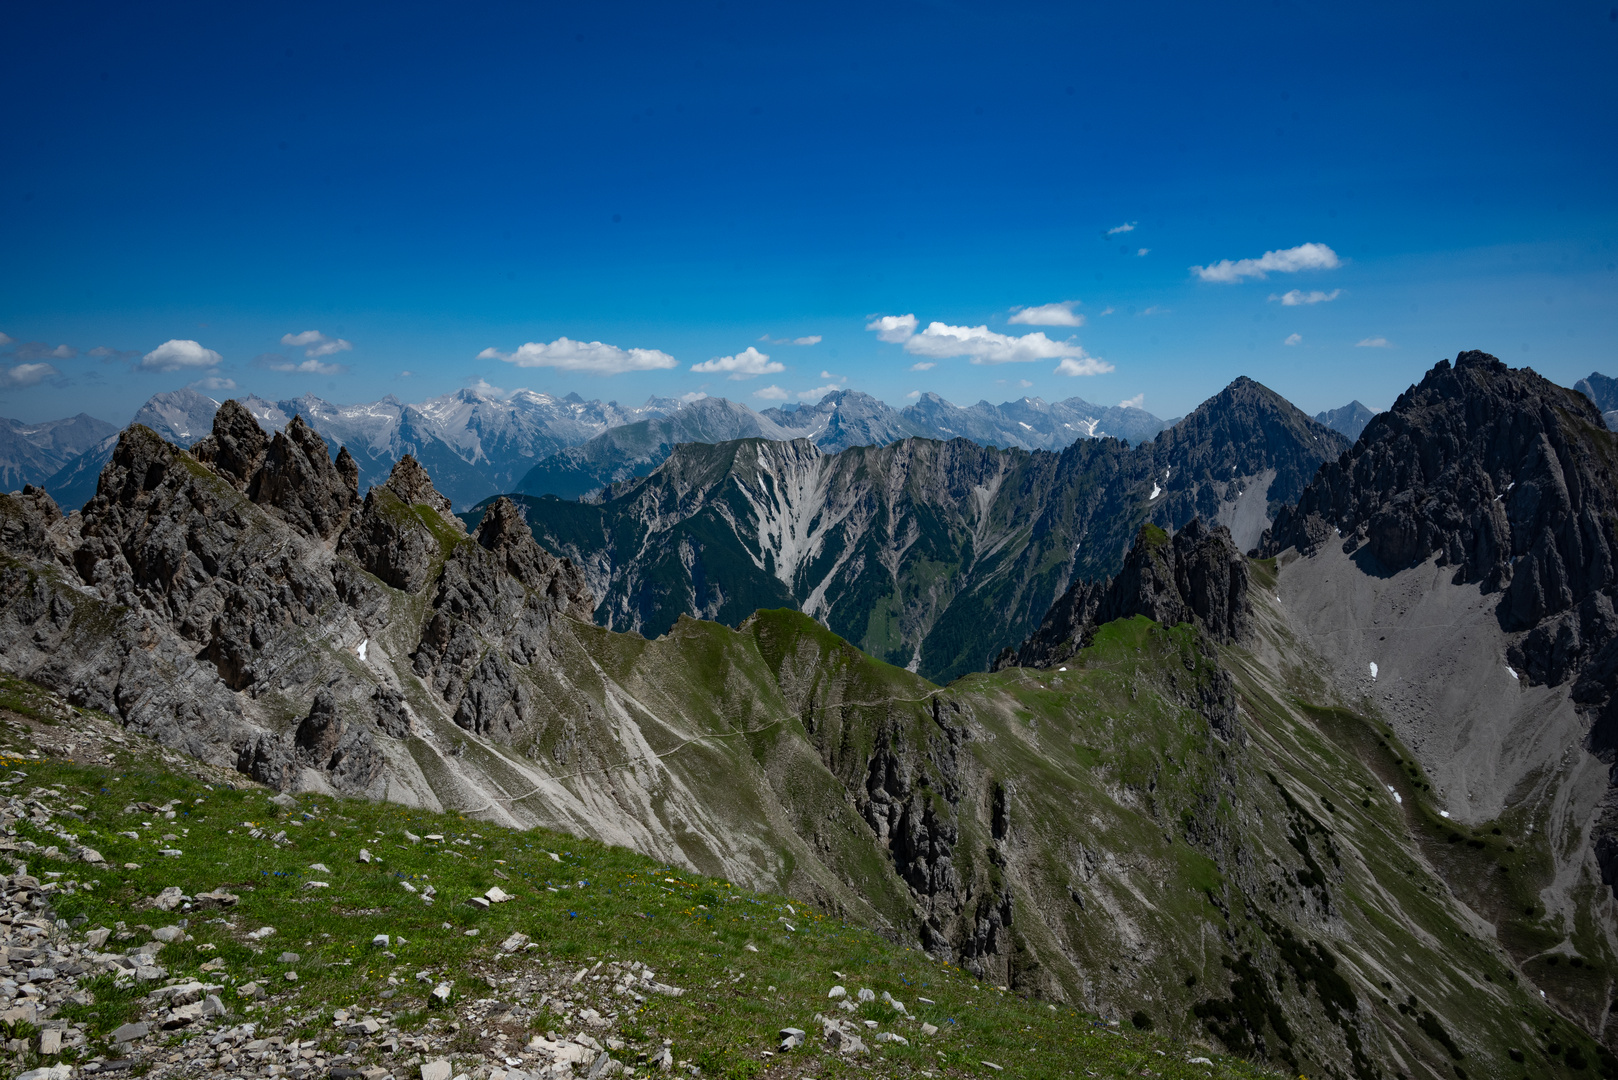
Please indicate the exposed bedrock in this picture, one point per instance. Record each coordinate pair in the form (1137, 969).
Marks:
(1197, 576)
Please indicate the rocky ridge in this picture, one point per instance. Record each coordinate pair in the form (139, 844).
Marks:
(1196, 577)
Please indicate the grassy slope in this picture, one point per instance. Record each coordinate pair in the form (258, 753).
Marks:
(609, 903)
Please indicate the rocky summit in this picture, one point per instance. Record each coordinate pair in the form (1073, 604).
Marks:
(1334, 805)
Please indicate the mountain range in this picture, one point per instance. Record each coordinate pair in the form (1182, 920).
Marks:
(931, 555)
(1335, 805)
(479, 444)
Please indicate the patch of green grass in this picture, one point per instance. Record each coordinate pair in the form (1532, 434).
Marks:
(577, 899)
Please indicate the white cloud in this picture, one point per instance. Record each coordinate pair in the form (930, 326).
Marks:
(914, 394)
(406, 374)
(1024, 383)
(1128, 226)
(894, 329)
(1110, 310)
(772, 393)
(923, 365)
(7, 339)
(829, 375)
(1284, 261)
(213, 383)
(1374, 343)
(1293, 339)
(746, 364)
(592, 357)
(1085, 365)
(1143, 251)
(1061, 314)
(1156, 309)
(695, 395)
(1136, 402)
(314, 343)
(179, 355)
(485, 388)
(818, 392)
(311, 366)
(1299, 298)
(64, 352)
(812, 339)
(25, 374)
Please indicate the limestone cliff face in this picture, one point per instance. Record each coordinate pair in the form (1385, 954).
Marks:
(1197, 576)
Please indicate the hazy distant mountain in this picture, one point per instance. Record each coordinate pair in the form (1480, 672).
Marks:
(1349, 420)
(840, 420)
(179, 416)
(1603, 390)
(32, 453)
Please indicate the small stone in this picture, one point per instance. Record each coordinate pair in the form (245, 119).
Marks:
(169, 899)
(792, 1037)
(497, 895)
(291, 976)
(288, 958)
(867, 994)
(216, 898)
(441, 992)
(479, 902)
(412, 837)
(250, 990)
(888, 1036)
(130, 1032)
(262, 932)
(992, 1065)
(470, 933)
(365, 856)
(167, 934)
(50, 1041)
(317, 884)
(929, 1029)
(435, 1070)
(514, 942)
(97, 937)
(173, 853)
(91, 855)
(750, 947)
(49, 1072)
(284, 800)
(381, 940)
(837, 992)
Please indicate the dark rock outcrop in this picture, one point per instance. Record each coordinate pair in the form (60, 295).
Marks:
(403, 529)
(1512, 481)
(1197, 576)
(300, 482)
(236, 447)
(26, 520)
(325, 740)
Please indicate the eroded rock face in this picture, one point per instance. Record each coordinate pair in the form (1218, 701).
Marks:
(26, 521)
(402, 530)
(1512, 481)
(236, 447)
(300, 482)
(209, 584)
(1197, 576)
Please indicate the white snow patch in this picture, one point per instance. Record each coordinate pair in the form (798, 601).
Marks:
(1394, 792)
(1373, 670)
(1511, 671)
(361, 650)
(1061, 669)
(1156, 491)
(1443, 813)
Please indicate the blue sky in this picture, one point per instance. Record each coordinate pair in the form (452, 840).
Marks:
(429, 189)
